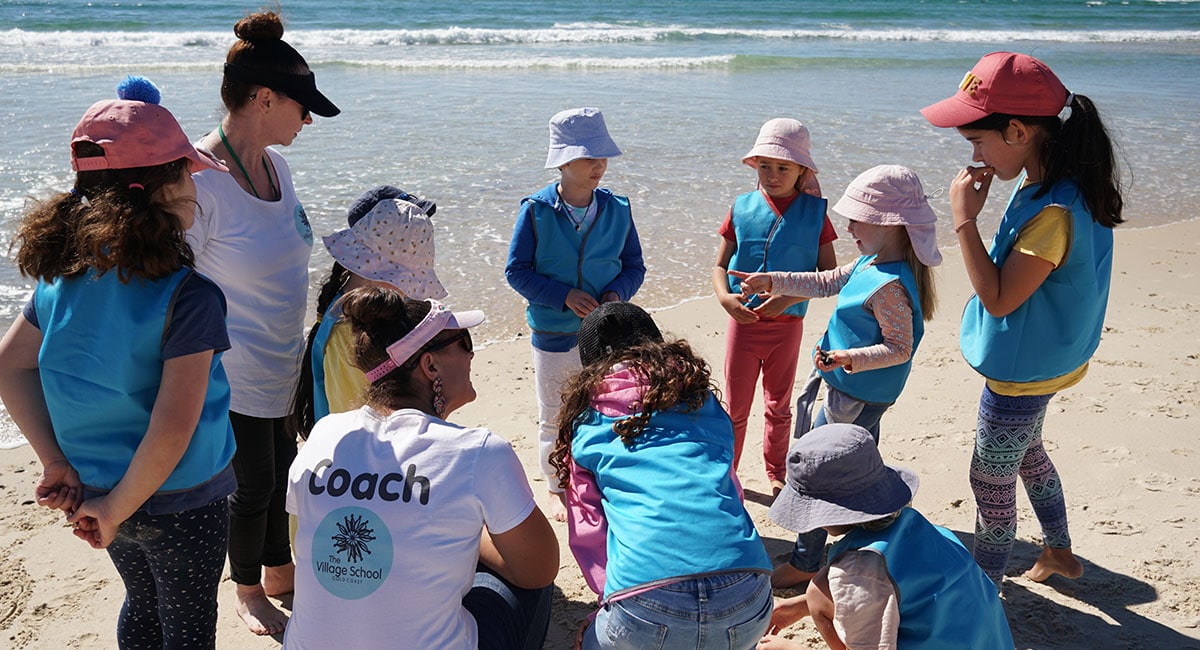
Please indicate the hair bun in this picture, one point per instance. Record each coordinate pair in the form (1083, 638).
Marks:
(262, 26)
(138, 89)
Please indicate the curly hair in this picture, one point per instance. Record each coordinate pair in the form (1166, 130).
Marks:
(673, 375)
(112, 219)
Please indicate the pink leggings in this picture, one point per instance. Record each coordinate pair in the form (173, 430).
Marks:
(772, 348)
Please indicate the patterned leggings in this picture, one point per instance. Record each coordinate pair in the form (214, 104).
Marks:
(171, 566)
(1008, 443)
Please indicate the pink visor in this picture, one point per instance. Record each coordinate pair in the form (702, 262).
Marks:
(439, 318)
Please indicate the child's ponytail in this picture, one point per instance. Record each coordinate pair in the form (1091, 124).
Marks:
(1081, 149)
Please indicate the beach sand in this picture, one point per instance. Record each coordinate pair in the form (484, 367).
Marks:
(1124, 441)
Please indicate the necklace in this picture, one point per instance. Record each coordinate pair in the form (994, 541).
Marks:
(233, 154)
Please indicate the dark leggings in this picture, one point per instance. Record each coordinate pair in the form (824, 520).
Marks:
(258, 521)
(508, 617)
(171, 566)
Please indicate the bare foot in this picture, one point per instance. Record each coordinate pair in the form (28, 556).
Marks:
(279, 580)
(1055, 560)
(777, 487)
(786, 576)
(558, 506)
(262, 617)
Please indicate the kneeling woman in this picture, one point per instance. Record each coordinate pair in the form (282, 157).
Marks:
(645, 454)
(413, 530)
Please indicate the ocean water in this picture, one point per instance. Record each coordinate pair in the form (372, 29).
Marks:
(451, 102)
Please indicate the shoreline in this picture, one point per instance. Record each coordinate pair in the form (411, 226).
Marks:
(1123, 440)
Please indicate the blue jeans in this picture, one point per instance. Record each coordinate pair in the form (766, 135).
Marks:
(508, 617)
(809, 551)
(729, 611)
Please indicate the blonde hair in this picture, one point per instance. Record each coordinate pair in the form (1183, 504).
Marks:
(926, 286)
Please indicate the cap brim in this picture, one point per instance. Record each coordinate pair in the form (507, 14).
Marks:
(460, 320)
(952, 112)
(202, 159)
(318, 104)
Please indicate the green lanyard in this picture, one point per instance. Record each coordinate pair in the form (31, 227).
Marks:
(233, 154)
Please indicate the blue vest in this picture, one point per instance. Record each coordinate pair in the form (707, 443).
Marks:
(769, 241)
(1058, 328)
(101, 366)
(852, 326)
(586, 260)
(946, 601)
(331, 317)
(672, 482)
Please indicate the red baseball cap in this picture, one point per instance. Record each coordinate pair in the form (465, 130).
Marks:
(135, 134)
(1002, 82)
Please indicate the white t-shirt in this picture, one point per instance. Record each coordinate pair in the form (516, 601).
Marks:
(257, 252)
(391, 511)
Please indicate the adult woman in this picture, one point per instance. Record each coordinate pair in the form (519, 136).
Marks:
(411, 527)
(252, 237)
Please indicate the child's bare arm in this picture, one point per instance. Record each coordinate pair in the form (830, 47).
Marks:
(820, 606)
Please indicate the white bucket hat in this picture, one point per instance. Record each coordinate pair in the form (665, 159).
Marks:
(579, 133)
(784, 139)
(892, 195)
(392, 243)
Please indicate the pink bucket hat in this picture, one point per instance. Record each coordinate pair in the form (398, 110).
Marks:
(135, 131)
(392, 243)
(785, 139)
(891, 195)
(1001, 82)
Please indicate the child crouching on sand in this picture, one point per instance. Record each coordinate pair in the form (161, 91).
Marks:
(894, 579)
(645, 454)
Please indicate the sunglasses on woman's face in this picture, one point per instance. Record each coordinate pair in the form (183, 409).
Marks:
(463, 335)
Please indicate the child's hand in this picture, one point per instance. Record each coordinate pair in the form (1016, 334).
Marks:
(827, 360)
(59, 488)
(772, 642)
(581, 302)
(966, 199)
(786, 612)
(732, 302)
(753, 283)
(774, 306)
(94, 523)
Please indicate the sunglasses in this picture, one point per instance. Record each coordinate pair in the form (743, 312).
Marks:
(304, 112)
(463, 335)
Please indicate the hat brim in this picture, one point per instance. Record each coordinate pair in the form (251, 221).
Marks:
(952, 112)
(559, 155)
(803, 513)
(918, 221)
(358, 258)
(779, 153)
(202, 159)
(461, 320)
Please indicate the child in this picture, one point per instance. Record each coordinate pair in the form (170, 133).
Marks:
(778, 227)
(894, 579)
(113, 372)
(437, 540)
(1040, 291)
(574, 246)
(645, 454)
(389, 242)
(884, 297)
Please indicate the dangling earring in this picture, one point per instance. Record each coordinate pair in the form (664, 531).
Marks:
(439, 399)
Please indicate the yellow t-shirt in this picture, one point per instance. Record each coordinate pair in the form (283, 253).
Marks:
(1047, 236)
(345, 384)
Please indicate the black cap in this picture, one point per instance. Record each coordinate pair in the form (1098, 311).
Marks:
(614, 326)
(367, 201)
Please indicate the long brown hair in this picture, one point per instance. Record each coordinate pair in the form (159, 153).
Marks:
(112, 219)
(303, 415)
(673, 375)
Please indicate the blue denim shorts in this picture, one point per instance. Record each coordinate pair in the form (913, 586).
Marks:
(728, 610)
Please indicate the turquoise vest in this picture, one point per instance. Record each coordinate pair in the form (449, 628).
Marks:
(101, 366)
(331, 317)
(946, 601)
(586, 260)
(671, 485)
(1058, 328)
(769, 241)
(852, 326)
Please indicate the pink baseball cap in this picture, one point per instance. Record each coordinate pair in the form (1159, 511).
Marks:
(1002, 82)
(135, 134)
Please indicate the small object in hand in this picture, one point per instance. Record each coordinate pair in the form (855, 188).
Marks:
(826, 360)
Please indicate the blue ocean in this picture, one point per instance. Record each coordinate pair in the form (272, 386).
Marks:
(450, 101)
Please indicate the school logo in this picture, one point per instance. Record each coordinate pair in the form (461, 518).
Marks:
(351, 552)
(302, 225)
(969, 84)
